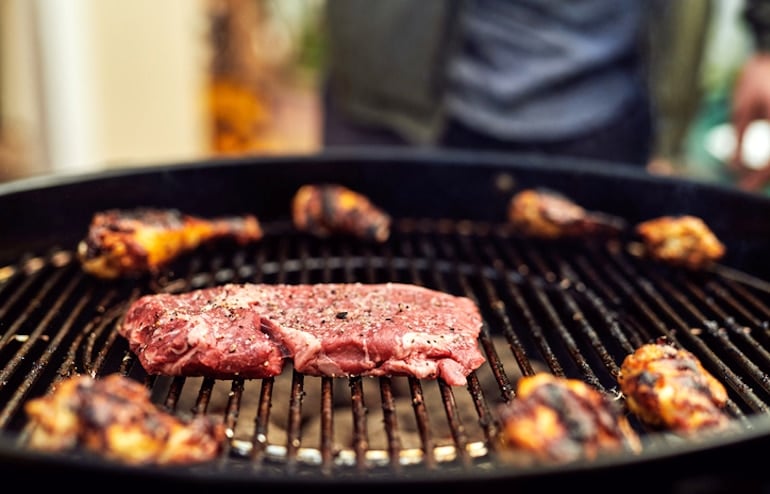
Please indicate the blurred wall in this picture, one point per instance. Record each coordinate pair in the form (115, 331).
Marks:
(105, 82)
(21, 151)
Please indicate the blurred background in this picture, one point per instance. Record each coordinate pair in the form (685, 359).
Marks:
(92, 84)
(89, 84)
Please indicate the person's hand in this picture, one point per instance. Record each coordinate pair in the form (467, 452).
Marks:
(754, 180)
(751, 101)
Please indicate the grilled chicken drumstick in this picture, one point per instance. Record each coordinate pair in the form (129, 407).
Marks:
(325, 209)
(680, 240)
(550, 215)
(556, 419)
(667, 387)
(114, 418)
(129, 243)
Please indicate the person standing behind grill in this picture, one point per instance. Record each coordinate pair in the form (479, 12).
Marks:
(558, 77)
(548, 76)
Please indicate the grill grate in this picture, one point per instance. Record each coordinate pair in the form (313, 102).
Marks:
(573, 309)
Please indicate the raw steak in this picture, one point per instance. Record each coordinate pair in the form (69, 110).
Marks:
(213, 332)
(333, 329)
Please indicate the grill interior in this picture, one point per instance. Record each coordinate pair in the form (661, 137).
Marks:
(574, 309)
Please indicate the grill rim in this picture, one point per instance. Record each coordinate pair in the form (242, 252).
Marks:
(685, 458)
(30, 188)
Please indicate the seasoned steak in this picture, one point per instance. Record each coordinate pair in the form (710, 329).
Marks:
(213, 332)
(333, 329)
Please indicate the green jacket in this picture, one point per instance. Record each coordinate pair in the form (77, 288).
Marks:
(410, 101)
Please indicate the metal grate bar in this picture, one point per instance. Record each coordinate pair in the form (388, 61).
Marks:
(232, 409)
(262, 417)
(555, 321)
(761, 356)
(261, 422)
(418, 401)
(456, 426)
(37, 335)
(294, 430)
(532, 326)
(327, 390)
(390, 421)
(394, 438)
(35, 301)
(358, 405)
(482, 407)
(360, 432)
(576, 314)
(327, 426)
(760, 322)
(595, 301)
(97, 355)
(710, 359)
(174, 390)
(592, 277)
(387, 399)
(423, 424)
(498, 308)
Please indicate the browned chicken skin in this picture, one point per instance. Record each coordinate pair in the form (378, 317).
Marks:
(113, 417)
(130, 243)
(668, 388)
(550, 215)
(555, 419)
(325, 209)
(680, 240)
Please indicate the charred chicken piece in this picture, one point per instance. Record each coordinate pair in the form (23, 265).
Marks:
(554, 419)
(668, 388)
(130, 243)
(326, 209)
(547, 214)
(680, 240)
(113, 417)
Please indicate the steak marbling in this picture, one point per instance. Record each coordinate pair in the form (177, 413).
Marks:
(328, 329)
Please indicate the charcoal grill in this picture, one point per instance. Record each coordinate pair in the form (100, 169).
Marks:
(571, 308)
